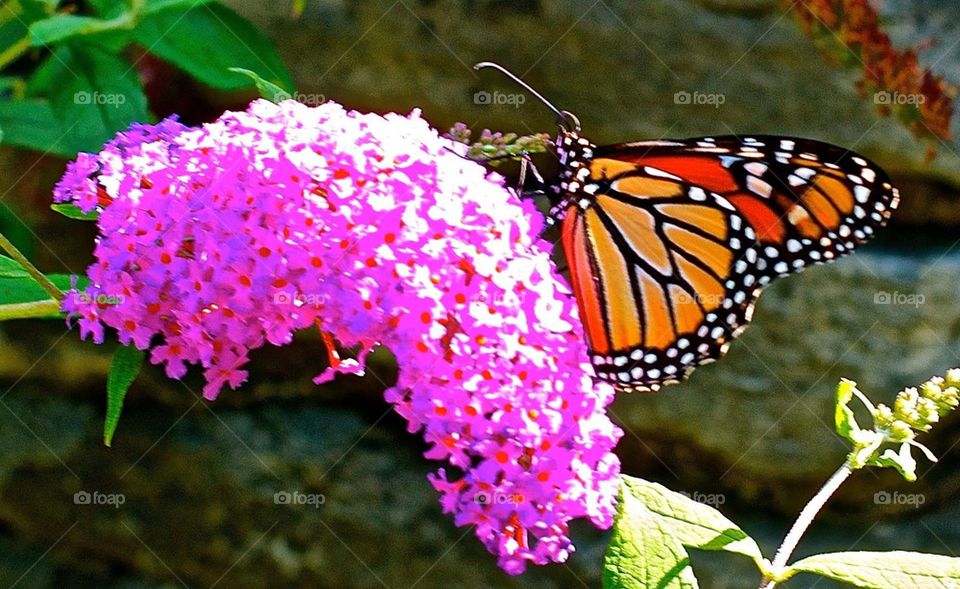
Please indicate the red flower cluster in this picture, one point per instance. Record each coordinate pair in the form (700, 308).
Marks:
(920, 98)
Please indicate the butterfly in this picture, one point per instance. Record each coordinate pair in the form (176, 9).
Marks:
(669, 243)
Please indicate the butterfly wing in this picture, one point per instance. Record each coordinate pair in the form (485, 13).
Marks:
(669, 258)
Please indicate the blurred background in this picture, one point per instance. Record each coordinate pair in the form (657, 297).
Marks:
(188, 492)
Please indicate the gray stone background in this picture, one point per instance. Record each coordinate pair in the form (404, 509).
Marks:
(199, 479)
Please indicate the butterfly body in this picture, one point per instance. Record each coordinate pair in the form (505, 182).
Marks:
(669, 243)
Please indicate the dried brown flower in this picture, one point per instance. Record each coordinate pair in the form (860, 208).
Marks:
(894, 78)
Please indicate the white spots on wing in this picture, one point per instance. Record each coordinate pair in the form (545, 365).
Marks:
(862, 193)
(697, 193)
(660, 173)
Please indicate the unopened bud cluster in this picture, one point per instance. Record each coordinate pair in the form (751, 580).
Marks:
(915, 409)
(492, 145)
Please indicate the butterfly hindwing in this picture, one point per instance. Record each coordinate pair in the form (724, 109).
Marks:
(654, 265)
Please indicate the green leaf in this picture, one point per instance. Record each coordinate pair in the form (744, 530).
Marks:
(94, 94)
(74, 212)
(208, 40)
(33, 124)
(267, 90)
(27, 290)
(10, 84)
(902, 461)
(883, 570)
(61, 27)
(124, 369)
(694, 524)
(16, 16)
(643, 553)
(108, 8)
(9, 268)
(844, 418)
(154, 6)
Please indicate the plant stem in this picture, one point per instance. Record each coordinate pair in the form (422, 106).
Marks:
(37, 275)
(31, 310)
(14, 52)
(806, 518)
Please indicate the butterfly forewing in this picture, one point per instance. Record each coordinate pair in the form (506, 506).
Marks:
(669, 242)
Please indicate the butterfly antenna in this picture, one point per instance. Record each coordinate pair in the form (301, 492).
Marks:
(564, 116)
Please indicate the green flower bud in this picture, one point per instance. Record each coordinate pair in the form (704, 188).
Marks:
(953, 377)
(906, 401)
(899, 431)
(883, 417)
(941, 394)
(928, 413)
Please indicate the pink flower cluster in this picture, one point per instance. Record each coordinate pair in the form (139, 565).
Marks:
(217, 240)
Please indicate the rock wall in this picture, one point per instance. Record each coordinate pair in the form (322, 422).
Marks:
(198, 480)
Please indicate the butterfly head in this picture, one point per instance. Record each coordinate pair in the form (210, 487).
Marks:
(573, 151)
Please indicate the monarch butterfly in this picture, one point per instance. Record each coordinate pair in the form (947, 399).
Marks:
(669, 243)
